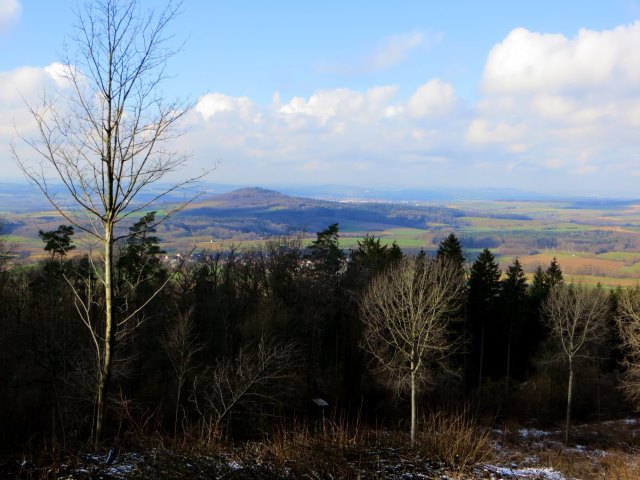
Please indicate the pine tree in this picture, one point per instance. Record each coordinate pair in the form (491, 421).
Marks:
(553, 274)
(58, 241)
(539, 283)
(484, 290)
(325, 250)
(139, 259)
(513, 295)
(451, 249)
(371, 257)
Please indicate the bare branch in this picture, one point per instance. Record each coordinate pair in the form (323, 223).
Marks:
(107, 138)
(254, 376)
(405, 315)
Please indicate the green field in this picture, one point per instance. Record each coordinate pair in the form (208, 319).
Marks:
(594, 242)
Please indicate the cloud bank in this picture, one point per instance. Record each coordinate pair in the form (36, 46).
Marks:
(554, 113)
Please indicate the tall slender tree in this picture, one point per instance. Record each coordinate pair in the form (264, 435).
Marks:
(106, 139)
(576, 317)
(484, 290)
(513, 295)
(405, 316)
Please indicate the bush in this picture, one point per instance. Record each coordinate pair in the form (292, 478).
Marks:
(455, 439)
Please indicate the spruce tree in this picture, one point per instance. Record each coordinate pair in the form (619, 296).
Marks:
(513, 295)
(451, 249)
(553, 274)
(484, 290)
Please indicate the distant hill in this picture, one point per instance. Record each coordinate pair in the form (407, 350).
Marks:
(261, 212)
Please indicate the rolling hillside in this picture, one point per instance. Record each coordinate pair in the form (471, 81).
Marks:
(258, 213)
(594, 240)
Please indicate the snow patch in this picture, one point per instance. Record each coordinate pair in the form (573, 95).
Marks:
(518, 473)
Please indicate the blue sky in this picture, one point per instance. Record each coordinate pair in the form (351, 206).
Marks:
(538, 95)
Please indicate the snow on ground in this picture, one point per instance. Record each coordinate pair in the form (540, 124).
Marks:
(520, 454)
(523, 473)
(534, 433)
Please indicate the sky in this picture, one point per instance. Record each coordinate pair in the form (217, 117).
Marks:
(542, 96)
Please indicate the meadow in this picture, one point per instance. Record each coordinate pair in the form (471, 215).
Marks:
(594, 241)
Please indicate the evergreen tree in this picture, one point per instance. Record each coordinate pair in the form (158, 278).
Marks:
(534, 329)
(484, 290)
(451, 249)
(539, 286)
(139, 258)
(553, 275)
(322, 313)
(58, 241)
(513, 296)
(371, 257)
(139, 267)
(325, 250)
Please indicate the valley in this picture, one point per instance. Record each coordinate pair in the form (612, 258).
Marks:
(594, 240)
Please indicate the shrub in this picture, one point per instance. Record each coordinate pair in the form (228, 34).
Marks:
(455, 439)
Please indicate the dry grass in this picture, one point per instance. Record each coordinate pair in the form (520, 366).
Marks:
(321, 448)
(594, 465)
(604, 451)
(621, 466)
(456, 439)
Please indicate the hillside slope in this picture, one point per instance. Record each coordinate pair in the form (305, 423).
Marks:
(261, 212)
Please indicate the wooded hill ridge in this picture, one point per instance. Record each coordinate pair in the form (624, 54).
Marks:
(267, 212)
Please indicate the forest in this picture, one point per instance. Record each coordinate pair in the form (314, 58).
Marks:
(237, 345)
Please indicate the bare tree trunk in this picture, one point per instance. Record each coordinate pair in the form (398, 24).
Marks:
(481, 357)
(413, 404)
(105, 370)
(107, 138)
(175, 418)
(569, 399)
(509, 340)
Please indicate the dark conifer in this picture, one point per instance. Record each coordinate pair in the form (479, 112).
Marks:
(484, 290)
(554, 273)
(451, 249)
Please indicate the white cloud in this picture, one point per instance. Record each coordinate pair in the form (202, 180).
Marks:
(326, 104)
(21, 80)
(433, 98)
(380, 96)
(566, 104)
(530, 62)
(365, 136)
(21, 87)
(553, 106)
(216, 103)
(9, 13)
(549, 106)
(59, 73)
(481, 131)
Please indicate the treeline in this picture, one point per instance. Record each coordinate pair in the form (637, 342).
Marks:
(233, 343)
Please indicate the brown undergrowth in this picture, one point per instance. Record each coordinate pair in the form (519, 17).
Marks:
(599, 451)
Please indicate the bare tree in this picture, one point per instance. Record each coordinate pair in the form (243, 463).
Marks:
(181, 346)
(105, 138)
(628, 320)
(251, 378)
(576, 316)
(406, 318)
